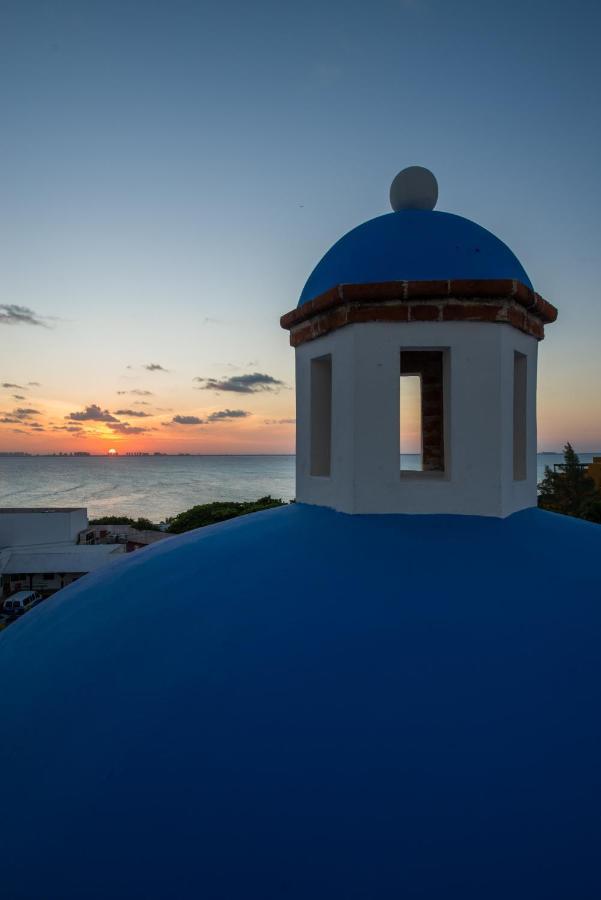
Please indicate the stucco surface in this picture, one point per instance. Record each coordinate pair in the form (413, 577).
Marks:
(302, 703)
(414, 245)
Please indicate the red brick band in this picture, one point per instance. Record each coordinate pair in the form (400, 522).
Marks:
(503, 301)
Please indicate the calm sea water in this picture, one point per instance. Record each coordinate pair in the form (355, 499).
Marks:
(156, 487)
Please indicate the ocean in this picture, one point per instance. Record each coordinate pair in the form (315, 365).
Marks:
(157, 487)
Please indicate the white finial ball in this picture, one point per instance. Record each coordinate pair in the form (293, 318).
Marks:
(414, 188)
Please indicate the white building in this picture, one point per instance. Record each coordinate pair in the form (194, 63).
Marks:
(39, 549)
(433, 295)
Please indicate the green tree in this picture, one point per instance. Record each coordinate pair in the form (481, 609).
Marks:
(141, 524)
(570, 490)
(210, 513)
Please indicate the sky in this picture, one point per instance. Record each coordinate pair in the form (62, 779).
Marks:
(171, 172)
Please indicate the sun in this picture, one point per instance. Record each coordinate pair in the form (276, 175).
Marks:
(112, 452)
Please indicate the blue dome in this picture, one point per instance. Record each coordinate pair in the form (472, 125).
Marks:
(301, 703)
(414, 245)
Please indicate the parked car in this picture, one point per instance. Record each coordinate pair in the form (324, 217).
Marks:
(21, 602)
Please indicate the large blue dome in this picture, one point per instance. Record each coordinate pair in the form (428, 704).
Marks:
(304, 704)
(414, 245)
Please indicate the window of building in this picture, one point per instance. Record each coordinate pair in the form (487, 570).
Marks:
(422, 411)
(520, 380)
(321, 415)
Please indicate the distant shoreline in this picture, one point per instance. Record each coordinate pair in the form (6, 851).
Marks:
(18, 455)
(24, 455)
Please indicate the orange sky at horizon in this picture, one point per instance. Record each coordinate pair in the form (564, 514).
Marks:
(243, 424)
(244, 419)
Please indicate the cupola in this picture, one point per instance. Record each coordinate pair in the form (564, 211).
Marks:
(434, 297)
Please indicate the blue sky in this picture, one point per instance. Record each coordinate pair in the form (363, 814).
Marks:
(171, 172)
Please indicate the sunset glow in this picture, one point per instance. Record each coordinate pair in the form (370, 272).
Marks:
(157, 220)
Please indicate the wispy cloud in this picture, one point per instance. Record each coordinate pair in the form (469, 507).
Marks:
(137, 392)
(126, 428)
(34, 384)
(92, 413)
(9, 420)
(187, 420)
(24, 412)
(9, 384)
(12, 314)
(138, 413)
(72, 429)
(252, 383)
(155, 367)
(224, 414)
(19, 397)
(279, 422)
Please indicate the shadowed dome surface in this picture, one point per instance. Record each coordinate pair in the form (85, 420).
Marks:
(305, 704)
(414, 245)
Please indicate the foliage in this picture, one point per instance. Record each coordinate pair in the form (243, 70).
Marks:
(141, 524)
(570, 490)
(210, 513)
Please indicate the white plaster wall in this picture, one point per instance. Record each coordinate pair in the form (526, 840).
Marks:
(519, 494)
(41, 527)
(365, 475)
(335, 490)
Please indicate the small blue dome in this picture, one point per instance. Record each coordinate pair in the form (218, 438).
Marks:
(414, 245)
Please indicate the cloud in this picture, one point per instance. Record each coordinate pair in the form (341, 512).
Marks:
(91, 413)
(20, 431)
(73, 429)
(210, 321)
(23, 412)
(37, 426)
(139, 413)
(141, 403)
(9, 384)
(12, 314)
(242, 384)
(126, 428)
(137, 392)
(279, 422)
(155, 367)
(187, 420)
(9, 420)
(222, 414)
(19, 397)
(34, 384)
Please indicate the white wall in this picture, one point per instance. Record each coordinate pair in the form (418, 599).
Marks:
(41, 526)
(365, 475)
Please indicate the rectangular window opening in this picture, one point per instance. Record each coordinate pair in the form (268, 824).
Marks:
(421, 411)
(321, 415)
(520, 379)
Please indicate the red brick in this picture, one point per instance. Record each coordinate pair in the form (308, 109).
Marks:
(543, 309)
(475, 312)
(417, 289)
(523, 294)
(481, 287)
(424, 313)
(325, 301)
(301, 334)
(392, 312)
(385, 290)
